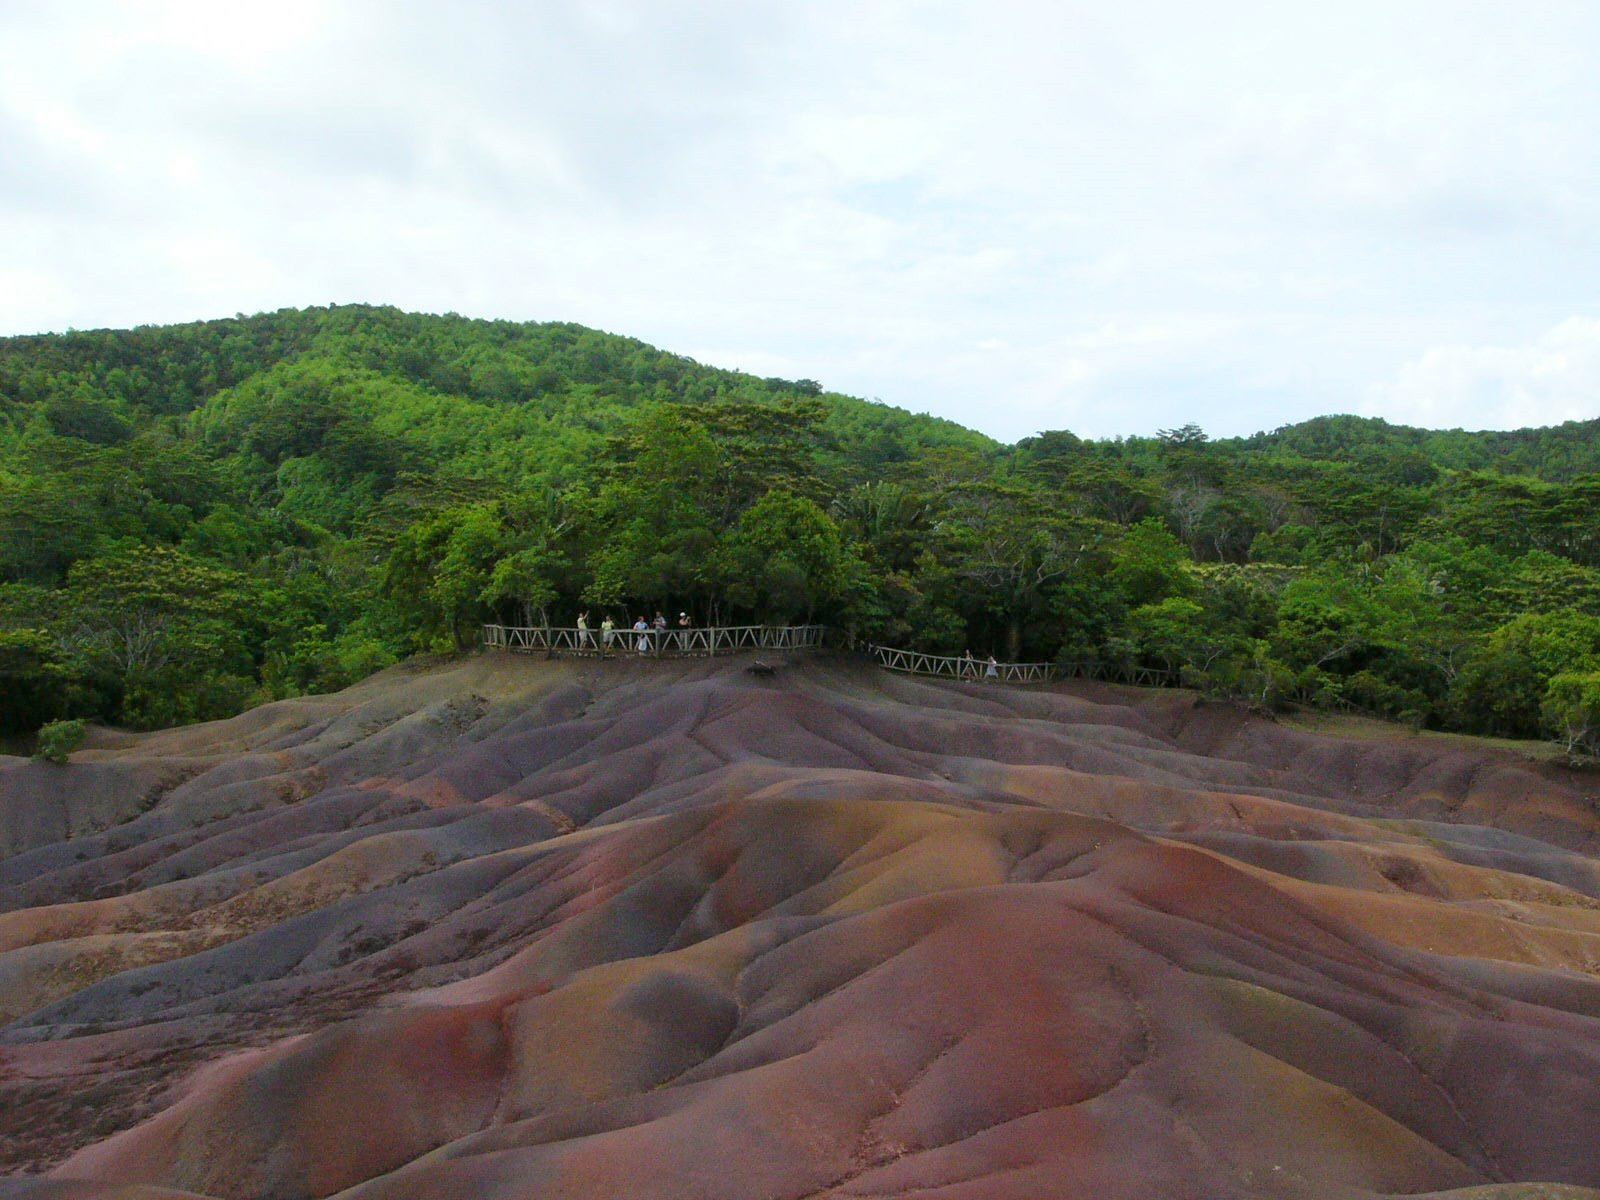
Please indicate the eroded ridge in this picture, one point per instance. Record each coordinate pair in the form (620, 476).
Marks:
(509, 928)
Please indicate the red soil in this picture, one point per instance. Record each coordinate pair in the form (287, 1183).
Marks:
(524, 929)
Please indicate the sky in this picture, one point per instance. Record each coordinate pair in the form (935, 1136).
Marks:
(1107, 218)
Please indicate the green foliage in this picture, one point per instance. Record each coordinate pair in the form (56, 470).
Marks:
(312, 660)
(83, 415)
(1149, 564)
(59, 739)
(438, 571)
(66, 497)
(1572, 709)
(1500, 690)
(656, 516)
(1290, 545)
(1519, 514)
(890, 522)
(156, 629)
(1320, 627)
(33, 679)
(1543, 582)
(1552, 642)
(784, 559)
(527, 580)
(198, 516)
(1172, 634)
(1008, 552)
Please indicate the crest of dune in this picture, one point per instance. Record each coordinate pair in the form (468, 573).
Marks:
(507, 928)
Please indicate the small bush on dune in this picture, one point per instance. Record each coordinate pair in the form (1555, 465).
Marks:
(59, 739)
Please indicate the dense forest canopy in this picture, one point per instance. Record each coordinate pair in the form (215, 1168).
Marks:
(195, 518)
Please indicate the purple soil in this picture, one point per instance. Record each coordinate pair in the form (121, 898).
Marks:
(510, 928)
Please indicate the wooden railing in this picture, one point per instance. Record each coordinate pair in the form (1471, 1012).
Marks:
(915, 662)
(1120, 673)
(728, 639)
(668, 643)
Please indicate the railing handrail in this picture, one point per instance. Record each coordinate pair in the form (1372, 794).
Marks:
(709, 640)
(1121, 672)
(957, 666)
(671, 641)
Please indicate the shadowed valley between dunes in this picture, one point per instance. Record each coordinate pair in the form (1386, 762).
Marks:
(511, 928)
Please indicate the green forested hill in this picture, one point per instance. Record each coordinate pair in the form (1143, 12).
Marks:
(1561, 452)
(197, 517)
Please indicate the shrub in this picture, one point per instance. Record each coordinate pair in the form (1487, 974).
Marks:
(59, 739)
(1572, 710)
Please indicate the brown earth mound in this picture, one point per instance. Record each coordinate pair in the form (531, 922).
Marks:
(508, 928)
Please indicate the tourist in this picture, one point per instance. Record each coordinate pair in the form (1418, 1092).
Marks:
(607, 632)
(992, 671)
(585, 638)
(641, 632)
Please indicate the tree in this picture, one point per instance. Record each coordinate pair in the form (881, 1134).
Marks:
(891, 521)
(1543, 582)
(439, 571)
(58, 740)
(1572, 710)
(1553, 642)
(33, 679)
(784, 558)
(371, 481)
(1173, 633)
(159, 629)
(1189, 436)
(528, 578)
(653, 523)
(1087, 487)
(89, 417)
(1500, 690)
(1148, 564)
(760, 448)
(1322, 634)
(1226, 528)
(1517, 514)
(1010, 547)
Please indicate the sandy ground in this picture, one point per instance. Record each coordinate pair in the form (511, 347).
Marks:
(504, 927)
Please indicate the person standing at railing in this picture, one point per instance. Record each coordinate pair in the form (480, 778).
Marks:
(684, 625)
(607, 632)
(641, 635)
(992, 671)
(969, 666)
(585, 638)
(660, 626)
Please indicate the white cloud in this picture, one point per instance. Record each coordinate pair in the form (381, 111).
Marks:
(1018, 214)
(1553, 379)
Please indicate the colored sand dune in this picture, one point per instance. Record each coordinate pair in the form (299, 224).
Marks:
(510, 928)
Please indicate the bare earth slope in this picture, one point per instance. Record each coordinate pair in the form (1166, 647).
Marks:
(509, 928)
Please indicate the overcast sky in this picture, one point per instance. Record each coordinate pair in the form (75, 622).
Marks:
(1108, 217)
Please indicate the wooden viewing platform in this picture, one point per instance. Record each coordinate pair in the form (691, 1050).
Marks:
(1121, 673)
(915, 662)
(671, 643)
(707, 642)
